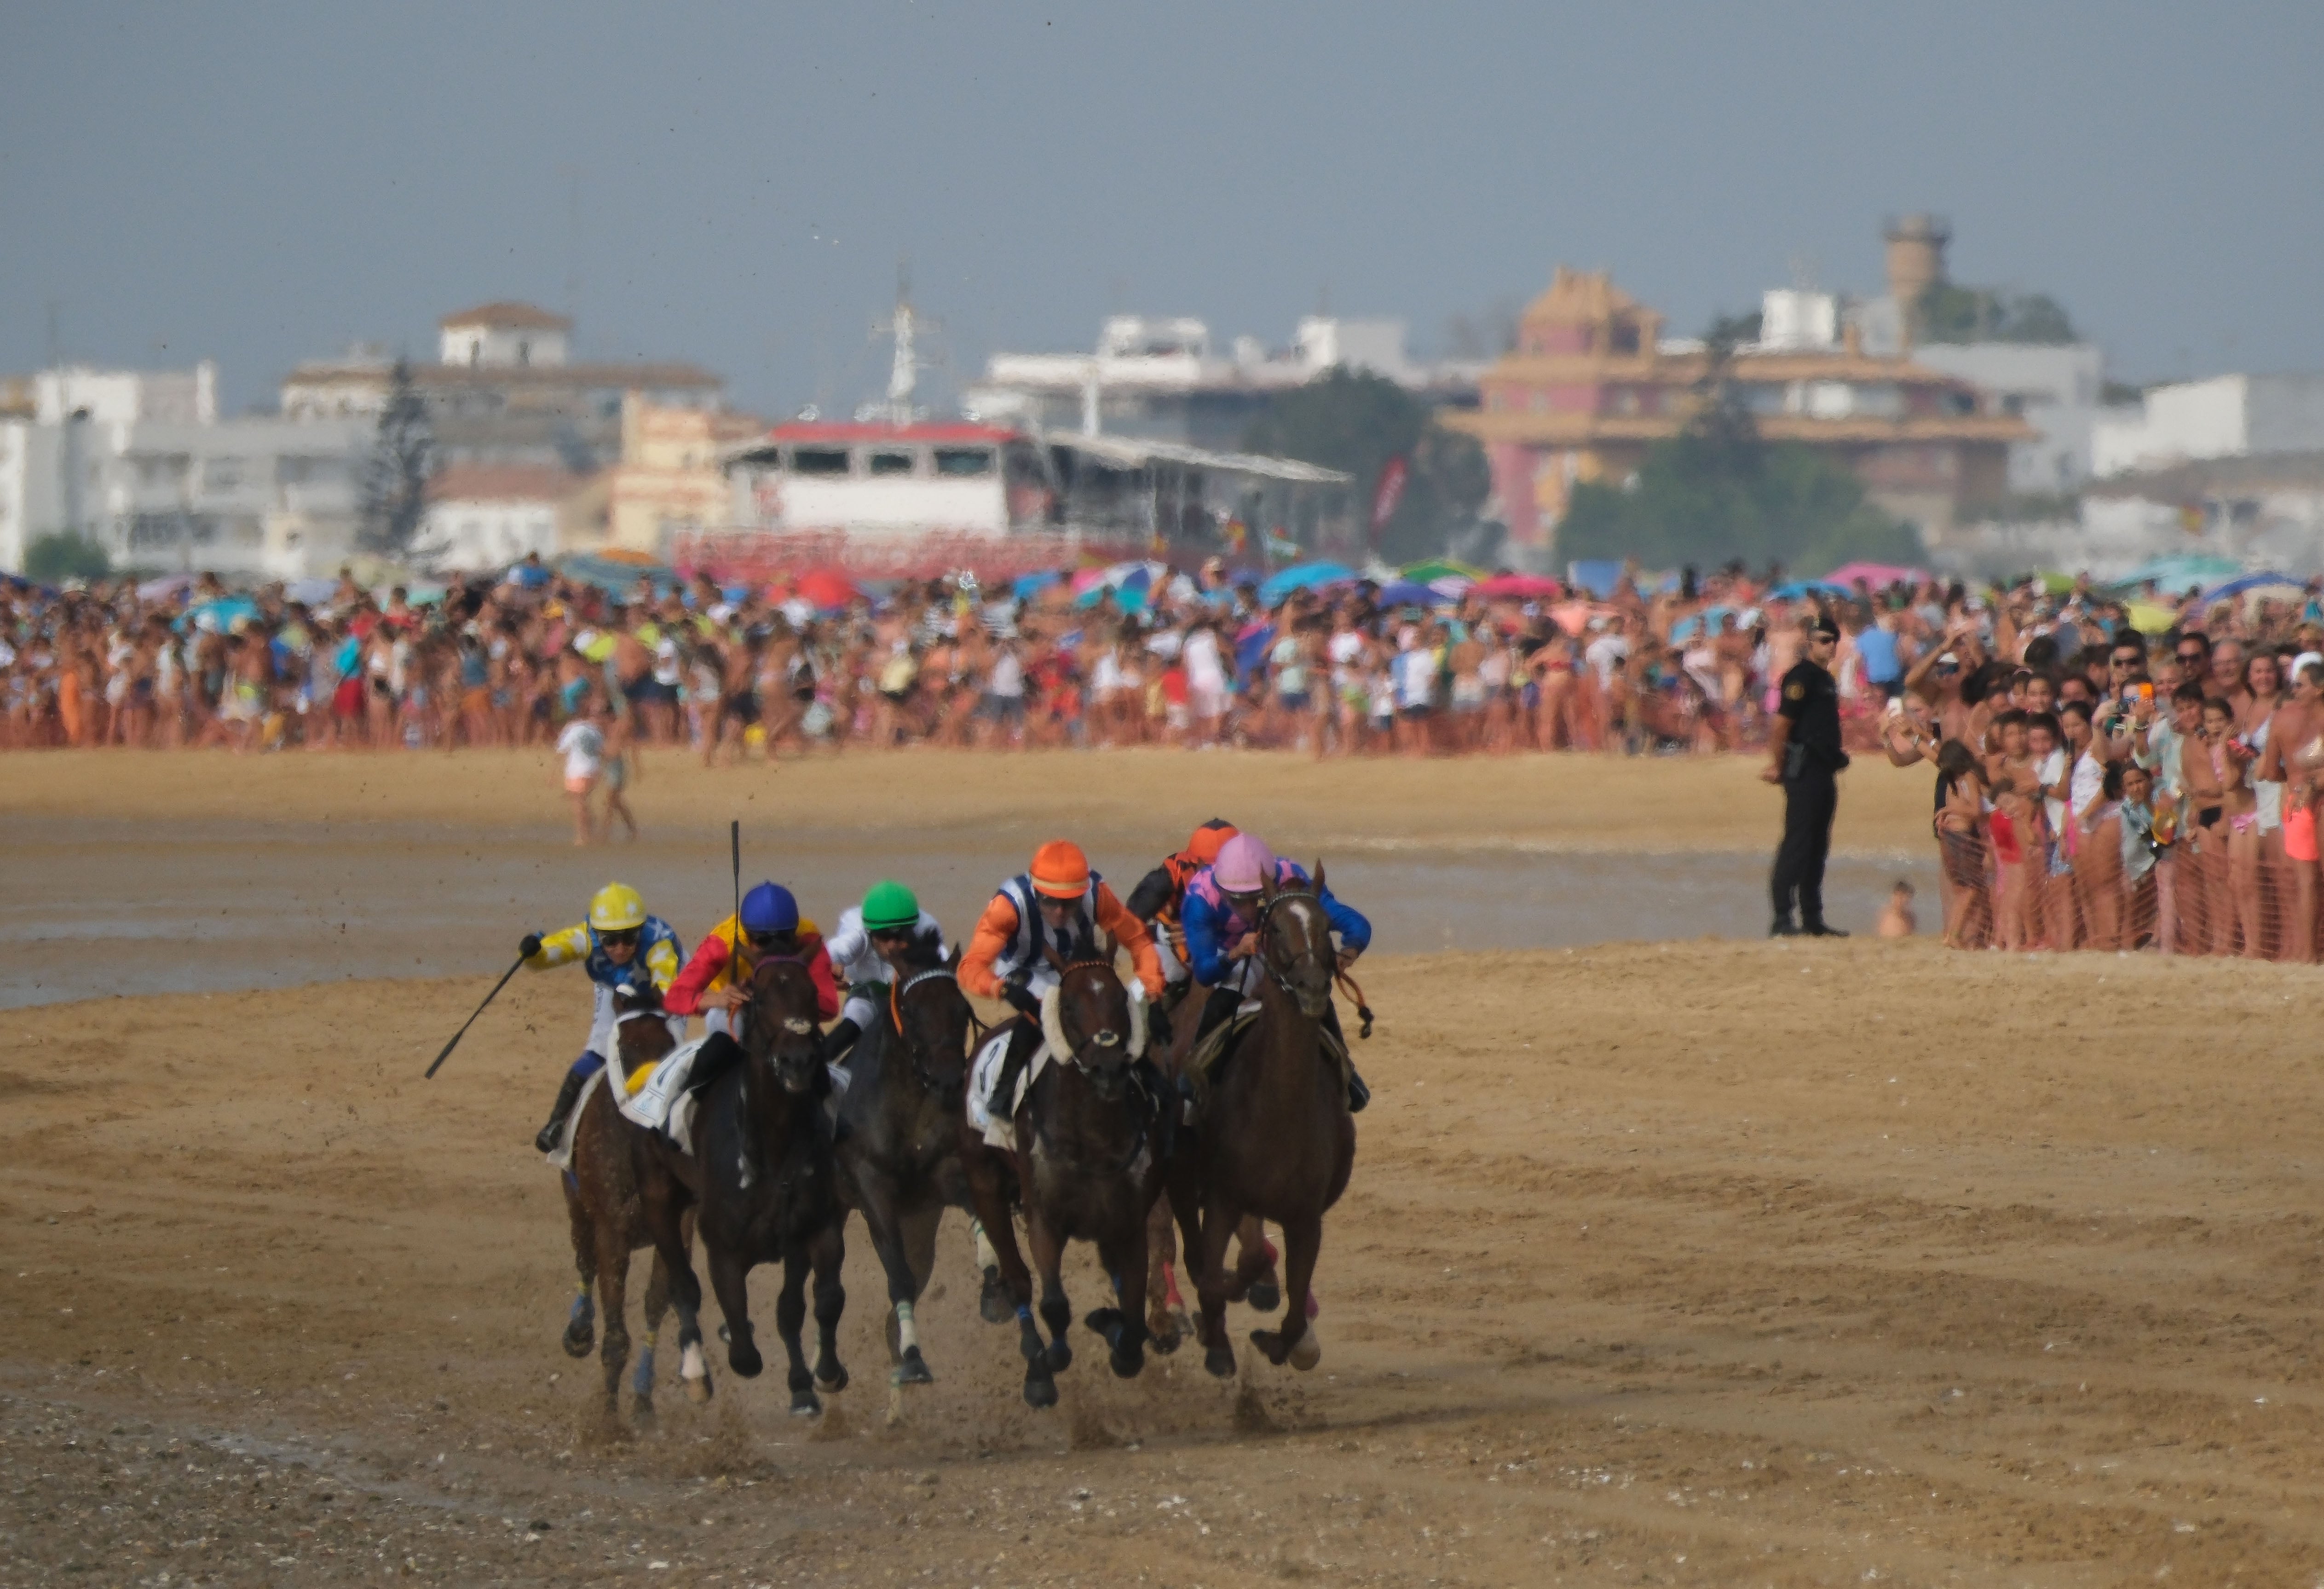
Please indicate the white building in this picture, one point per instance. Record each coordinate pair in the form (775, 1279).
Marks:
(2055, 388)
(1161, 379)
(139, 462)
(502, 335)
(2224, 417)
(483, 515)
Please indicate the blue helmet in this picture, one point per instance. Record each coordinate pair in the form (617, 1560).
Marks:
(769, 908)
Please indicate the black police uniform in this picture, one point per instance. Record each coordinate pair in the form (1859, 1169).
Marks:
(1810, 700)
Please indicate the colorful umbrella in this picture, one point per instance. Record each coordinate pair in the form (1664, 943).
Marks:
(1430, 570)
(1529, 587)
(1301, 576)
(830, 589)
(1405, 593)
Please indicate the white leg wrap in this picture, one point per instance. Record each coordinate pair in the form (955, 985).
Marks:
(986, 1258)
(690, 1365)
(907, 1333)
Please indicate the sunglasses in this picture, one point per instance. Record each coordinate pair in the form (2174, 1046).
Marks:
(769, 940)
(890, 934)
(2195, 657)
(626, 938)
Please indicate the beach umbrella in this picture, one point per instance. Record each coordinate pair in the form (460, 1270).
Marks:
(1405, 593)
(1428, 571)
(2180, 570)
(1794, 589)
(168, 588)
(1529, 587)
(2269, 583)
(311, 592)
(827, 588)
(1026, 586)
(1880, 577)
(1301, 576)
(1706, 619)
(2150, 618)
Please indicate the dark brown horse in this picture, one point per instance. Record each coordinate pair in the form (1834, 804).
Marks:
(1276, 1139)
(608, 1223)
(898, 1153)
(1088, 1165)
(762, 1177)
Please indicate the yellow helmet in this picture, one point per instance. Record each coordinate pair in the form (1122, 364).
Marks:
(616, 908)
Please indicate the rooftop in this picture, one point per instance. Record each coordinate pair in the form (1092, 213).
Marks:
(506, 314)
(503, 482)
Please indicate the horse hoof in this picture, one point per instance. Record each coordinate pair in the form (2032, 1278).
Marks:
(1104, 1321)
(914, 1369)
(580, 1338)
(641, 1416)
(993, 1305)
(1306, 1352)
(1061, 1357)
(830, 1375)
(804, 1405)
(1271, 1342)
(1040, 1391)
(743, 1358)
(1220, 1361)
(1266, 1294)
(1129, 1364)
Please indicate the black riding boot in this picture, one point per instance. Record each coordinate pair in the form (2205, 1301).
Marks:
(1027, 1038)
(566, 1092)
(1217, 1011)
(838, 1041)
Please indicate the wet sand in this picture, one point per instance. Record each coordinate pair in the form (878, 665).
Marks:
(146, 874)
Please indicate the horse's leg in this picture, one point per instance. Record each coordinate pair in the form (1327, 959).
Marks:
(1218, 1228)
(982, 1166)
(1124, 1327)
(581, 1323)
(879, 1207)
(1048, 1255)
(1302, 1240)
(612, 1292)
(828, 1251)
(658, 1198)
(1166, 1310)
(1254, 1279)
(917, 1230)
(790, 1320)
(729, 1276)
(656, 1305)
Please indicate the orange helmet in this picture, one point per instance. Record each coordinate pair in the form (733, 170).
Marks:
(1060, 870)
(1202, 848)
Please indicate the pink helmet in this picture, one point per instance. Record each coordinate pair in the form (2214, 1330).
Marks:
(1244, 862)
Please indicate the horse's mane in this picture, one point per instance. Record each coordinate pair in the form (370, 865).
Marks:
(923, 953)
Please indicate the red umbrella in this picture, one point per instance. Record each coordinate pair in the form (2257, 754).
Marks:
(828, 587)
(1525, 586)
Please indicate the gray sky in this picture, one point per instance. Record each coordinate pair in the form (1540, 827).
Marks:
(736, 186)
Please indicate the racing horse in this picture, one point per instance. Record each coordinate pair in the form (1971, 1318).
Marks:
(1087, 1166)
(608, 1223)
(762, 1177)
(899, 1142)
(1276, 1139)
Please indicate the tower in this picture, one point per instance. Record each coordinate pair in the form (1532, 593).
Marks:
(1916, 262)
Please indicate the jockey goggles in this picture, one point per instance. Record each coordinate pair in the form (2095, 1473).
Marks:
(621, 937)
(774, 942)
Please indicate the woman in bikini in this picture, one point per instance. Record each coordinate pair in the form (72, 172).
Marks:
(2294, 759)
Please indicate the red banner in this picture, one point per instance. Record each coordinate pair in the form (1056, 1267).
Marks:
(1387, 493)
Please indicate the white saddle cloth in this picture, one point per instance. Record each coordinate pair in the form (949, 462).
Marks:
(562, 1157)
(999, 1126)
(663, 1103)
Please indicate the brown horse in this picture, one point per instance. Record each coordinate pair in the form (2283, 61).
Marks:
(1088, 1165)
(608, 1223)
(762, 1177)
(1276, 1139)
(1253, 1281)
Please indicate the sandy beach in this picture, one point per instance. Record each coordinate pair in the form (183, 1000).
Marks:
(1703, 1263)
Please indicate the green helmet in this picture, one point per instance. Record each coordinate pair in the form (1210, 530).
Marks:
(889, 907)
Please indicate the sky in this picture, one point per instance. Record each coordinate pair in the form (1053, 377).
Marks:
(737, 185)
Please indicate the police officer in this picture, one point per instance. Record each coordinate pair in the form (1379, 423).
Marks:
(1803, 754)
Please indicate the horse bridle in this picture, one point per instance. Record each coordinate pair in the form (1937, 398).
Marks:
(1134, 1098)
(1260, 930)
(896, 991)
(756, 969)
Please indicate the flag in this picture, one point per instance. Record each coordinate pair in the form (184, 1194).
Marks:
(1387, 493)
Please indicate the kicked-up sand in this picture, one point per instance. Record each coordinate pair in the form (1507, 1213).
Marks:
(1712, 1262)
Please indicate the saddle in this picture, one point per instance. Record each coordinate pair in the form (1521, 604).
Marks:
(1210, 1057)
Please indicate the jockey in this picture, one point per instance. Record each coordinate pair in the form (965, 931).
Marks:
(1160, 897)
(1221, 915)
(1057, 903)
(771, 927)
(870, 938)
(621, 947)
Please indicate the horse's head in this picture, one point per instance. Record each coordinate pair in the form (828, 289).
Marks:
(781, 1025)
(1094, 1023)
(933, 1018)
(642, 1031)
(1295, 942)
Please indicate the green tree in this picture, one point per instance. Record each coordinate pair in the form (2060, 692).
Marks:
(65, 556)
(1948, 313)
(395, 477)
(1718, 493)
(1356, 422)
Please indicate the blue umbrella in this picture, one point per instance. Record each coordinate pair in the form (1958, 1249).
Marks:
(1705, 620)
(1791, 590)
(1028, 585)
(1403, 593)
(1301, 576)
(2249, 581)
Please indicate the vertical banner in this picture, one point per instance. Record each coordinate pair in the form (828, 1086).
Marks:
(1387, 493)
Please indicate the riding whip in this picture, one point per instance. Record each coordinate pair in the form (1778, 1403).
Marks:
(471, 1021)
(734, 943)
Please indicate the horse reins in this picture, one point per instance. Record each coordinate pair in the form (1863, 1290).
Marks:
(1339, 977)
(896, 991)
